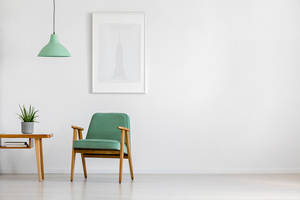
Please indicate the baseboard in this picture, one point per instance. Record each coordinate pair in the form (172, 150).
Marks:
(169, 171)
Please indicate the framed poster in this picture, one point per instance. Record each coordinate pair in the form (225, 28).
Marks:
(119, 52)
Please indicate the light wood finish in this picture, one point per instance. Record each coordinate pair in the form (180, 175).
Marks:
(123, 128)
(73, 154)
(83, 165)
(75, 134)
(30, 136)
(129, 155)
(38, 147)
(38, 158)
(34, 135)
(94, 151)
(30, 145)
(80, 134)
(82, 157)
(77, 127)
(121, 155)
(104, 156)
(42, 159)
(73, 164)
(102, 153)
(15, 147)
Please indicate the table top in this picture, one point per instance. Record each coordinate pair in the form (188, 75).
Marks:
(21, 135)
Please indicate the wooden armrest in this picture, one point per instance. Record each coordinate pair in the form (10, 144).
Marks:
(123, 128)
(77, 127)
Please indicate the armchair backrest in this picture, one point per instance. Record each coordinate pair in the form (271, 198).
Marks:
(105, 126)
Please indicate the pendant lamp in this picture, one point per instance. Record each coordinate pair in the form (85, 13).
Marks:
(54, 48)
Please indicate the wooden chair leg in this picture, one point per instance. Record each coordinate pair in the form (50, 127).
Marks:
(73, 164)
(121, 168)
(130, 166)
(129, 155)
(83, 165)
(121, 155)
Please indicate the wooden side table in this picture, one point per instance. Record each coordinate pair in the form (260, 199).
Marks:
(38, 147)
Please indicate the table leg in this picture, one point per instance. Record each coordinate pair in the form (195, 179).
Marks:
(42, 160)
(38, 157)
(31, 143)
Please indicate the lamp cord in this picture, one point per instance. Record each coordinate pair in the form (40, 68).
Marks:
(53, 16)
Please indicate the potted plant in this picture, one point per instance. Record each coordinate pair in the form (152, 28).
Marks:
(28, 117)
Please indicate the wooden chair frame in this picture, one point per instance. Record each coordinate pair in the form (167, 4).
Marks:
(103, 153)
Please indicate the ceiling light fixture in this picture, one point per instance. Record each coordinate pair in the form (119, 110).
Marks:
(54, 48)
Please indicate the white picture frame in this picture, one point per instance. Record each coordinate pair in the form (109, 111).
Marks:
(119, 42)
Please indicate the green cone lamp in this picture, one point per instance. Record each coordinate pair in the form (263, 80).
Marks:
(54, 48)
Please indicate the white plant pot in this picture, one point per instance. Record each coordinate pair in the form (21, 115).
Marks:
(27, 127)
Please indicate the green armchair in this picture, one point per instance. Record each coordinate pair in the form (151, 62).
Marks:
(108, 136)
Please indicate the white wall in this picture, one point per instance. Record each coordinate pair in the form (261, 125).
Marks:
(222, 84)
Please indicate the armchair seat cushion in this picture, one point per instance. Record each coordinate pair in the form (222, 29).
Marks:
(98, 144)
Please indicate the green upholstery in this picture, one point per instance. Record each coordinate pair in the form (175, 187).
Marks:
(98, 144)
(103, 132)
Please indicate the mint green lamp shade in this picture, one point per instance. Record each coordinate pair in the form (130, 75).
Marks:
(54, 49)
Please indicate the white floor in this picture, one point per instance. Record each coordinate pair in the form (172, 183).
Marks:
(149, 186)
